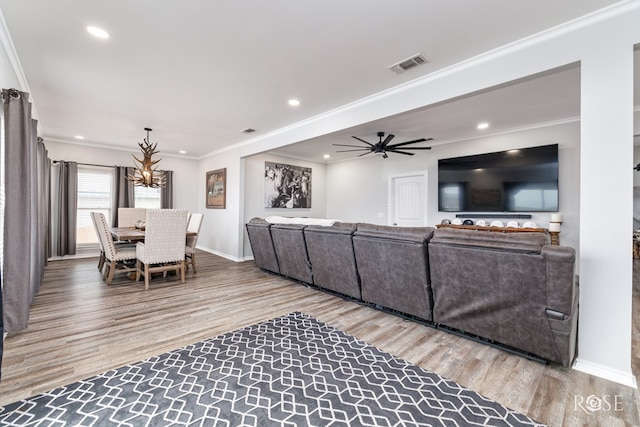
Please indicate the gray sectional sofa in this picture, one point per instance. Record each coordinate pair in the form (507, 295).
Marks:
(510, 289)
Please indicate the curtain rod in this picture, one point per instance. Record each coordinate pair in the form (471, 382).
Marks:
(85, 164)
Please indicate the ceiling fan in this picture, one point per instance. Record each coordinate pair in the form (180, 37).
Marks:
(382, 147)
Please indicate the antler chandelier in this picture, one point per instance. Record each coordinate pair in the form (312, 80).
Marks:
(145, 174)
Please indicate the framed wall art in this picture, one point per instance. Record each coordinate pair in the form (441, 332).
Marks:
(216, 189)
(286, 186)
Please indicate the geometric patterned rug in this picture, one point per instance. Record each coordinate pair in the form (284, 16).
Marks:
(290, 371)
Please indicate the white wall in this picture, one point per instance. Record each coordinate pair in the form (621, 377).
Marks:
(358, 188)
(222, 229)
(8, 78)
(254, 191)
(184, 170)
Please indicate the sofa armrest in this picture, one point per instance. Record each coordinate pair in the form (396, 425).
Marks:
(561, 282)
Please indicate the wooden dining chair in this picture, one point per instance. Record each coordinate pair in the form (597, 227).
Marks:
(164, 244)
(194, 225)
(115, 256)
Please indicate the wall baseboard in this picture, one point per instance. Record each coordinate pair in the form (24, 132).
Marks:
(221, 254)
(601, 371)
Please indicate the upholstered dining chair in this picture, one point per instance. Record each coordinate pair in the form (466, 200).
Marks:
(164, 243)
(127, 217)
(194, 225)
(95, 226)
(114, 255)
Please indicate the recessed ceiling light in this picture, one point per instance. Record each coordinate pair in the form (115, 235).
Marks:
(182, 152)
(79, 137)
(294, 102)
(483, 125)
(327, 156)
(97, 32)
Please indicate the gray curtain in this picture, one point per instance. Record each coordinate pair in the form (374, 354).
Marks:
(25, 197)
(64, 208)
(123, 193)
(166, 192)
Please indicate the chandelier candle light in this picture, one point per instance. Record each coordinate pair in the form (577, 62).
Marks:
(145, 174)
(554, 228)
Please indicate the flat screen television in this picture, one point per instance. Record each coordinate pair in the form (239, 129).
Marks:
(524, 180)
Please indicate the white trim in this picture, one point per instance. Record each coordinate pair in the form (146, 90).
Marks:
(220, 254)
(601, 371)
(10, 49)
(93, 144)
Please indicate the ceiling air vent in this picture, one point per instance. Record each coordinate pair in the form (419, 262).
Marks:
(409, 63)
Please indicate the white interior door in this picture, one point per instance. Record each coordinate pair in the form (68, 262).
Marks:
(408, 200)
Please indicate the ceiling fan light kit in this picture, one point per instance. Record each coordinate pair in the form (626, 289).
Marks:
(382, 147)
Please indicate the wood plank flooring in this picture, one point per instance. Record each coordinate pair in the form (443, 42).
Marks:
(80, 327)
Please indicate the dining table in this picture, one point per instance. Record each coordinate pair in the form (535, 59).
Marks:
(132, 234)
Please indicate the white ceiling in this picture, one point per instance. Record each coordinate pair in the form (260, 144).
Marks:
(199, 71)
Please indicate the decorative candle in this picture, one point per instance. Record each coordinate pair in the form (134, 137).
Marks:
(554, 226)
(556, 217)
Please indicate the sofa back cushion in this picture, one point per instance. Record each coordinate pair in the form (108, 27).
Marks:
(264, 253)
(393, 267)
(291, 250)
(520, 242)
(493, 285)
(332, 258)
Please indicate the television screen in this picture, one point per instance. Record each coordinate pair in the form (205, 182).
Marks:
(524, 180)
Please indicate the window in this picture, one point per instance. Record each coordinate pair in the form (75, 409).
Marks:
(147, 197)
(95, 186)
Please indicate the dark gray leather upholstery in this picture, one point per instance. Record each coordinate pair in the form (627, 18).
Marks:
(291, 250)
(264, 253)
(513, 288)
(393, 267)
(332, 258)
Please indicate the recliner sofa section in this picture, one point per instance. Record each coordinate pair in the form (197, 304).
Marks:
(512, 288)
(291, 251)
(332, 258)
(394, 268)
(264, 254)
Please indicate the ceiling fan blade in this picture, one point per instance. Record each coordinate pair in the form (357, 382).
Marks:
(355, 149)
(392, 148)
(347, 145)
(387, 140)
(362, 140)
(400, 144)
(364, 154)
(402, 152)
